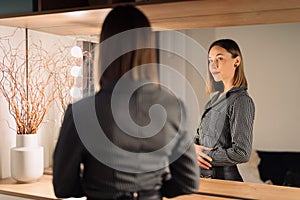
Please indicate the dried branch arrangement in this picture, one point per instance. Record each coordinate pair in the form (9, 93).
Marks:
(31, 81)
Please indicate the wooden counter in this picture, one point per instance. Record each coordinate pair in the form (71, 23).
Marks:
(242, 190)
(209, 190)
(41, 190)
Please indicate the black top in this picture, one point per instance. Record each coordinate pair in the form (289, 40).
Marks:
(108, 173)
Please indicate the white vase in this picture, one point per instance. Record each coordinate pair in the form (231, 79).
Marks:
(27, 159)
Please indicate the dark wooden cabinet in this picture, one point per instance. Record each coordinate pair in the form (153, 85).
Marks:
(30, 7)
(62, 4)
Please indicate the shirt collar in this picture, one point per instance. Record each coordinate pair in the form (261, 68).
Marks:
(215, 96)
(236, 89)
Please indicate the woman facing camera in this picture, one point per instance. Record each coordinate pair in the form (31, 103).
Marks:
(224, 135)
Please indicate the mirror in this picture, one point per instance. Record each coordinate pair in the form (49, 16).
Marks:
(271, 55)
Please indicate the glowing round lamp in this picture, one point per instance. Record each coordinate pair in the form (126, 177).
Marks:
(76, 71)
(76, 92)
(76, 52)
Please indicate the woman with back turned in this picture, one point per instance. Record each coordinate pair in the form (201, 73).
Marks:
(129, 161)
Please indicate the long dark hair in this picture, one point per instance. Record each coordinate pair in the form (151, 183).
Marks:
(120, 19)
(239, 79)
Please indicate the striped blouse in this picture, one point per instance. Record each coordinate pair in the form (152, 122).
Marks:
(226, 125)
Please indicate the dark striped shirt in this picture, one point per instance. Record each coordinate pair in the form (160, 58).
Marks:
(226, 125)
(100, 181)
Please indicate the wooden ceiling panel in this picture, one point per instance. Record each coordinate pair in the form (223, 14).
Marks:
(214, 7)
(231, 19)
(175, 15)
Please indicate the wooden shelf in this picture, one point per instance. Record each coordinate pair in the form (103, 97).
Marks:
(209, 189)
(164, 15)
(40, 190)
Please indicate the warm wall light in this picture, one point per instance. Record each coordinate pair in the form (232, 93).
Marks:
(76, 92)
(76, 71)
(76, 52)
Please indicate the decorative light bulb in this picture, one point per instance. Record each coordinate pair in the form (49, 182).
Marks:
(76, 52)
(76, 71)
(76, 92)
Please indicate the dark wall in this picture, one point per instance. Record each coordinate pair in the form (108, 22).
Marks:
(17, 6)
(61, 4)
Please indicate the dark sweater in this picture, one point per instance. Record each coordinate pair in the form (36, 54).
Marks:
(122, 157)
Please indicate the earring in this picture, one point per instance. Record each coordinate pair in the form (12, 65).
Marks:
(235, 65)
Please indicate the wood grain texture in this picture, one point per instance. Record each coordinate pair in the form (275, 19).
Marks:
(175, 16)
(40, 190)
(210, 189)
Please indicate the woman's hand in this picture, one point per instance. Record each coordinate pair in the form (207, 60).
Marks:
(202, 157)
